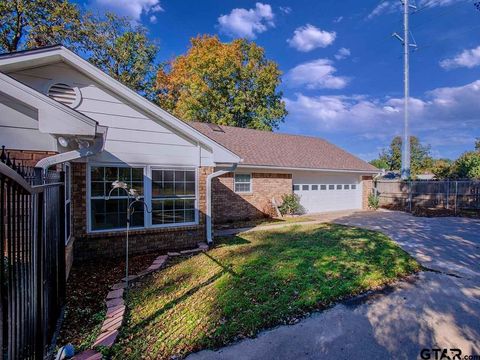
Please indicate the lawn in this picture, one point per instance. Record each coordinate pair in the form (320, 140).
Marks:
(263, 221)
(255, 281)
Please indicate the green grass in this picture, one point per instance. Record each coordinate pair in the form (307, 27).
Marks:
(264, 221)
(255, 281)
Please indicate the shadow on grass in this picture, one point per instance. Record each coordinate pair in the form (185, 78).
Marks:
(255, 281)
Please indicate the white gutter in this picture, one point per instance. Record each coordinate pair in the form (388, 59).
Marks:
(209, 199)
(98, 144)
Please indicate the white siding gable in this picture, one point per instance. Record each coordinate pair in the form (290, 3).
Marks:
(132, 137)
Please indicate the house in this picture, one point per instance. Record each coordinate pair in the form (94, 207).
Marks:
(58, 109)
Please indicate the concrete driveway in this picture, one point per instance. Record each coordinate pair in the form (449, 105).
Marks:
(434, 309)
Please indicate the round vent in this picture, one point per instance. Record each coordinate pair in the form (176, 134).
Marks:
(65, 94)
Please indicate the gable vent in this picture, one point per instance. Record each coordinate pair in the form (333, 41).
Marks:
(63, 93)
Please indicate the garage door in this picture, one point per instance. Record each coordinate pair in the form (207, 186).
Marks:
(328, 193)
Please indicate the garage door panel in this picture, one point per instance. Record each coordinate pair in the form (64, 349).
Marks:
(331, 193)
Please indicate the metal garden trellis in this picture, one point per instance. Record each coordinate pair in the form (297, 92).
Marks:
(120, 185)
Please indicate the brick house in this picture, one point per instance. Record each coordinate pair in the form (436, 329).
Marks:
(56, 109)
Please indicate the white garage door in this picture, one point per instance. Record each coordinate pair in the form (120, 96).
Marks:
(327, 192)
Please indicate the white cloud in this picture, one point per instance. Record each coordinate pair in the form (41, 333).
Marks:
(440, 113)
(285, 9)
(342, 53)
(153, 19)
(131, 8)
(247, 23)
(309, 37)
(338, 19)
(468, 58)
(390, 6)
(317, 74)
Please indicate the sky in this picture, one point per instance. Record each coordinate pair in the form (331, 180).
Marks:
(342, 69)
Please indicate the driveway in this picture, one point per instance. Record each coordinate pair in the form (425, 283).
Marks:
(434, 309)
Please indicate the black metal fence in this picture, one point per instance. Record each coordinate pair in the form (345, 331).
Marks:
(32, 270)
(453, 195)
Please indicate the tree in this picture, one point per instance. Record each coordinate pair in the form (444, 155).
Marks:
(467, 166)
(380, 163)
(442, 168)
(477, 144)
(122, 50)
(223, 83)
(26, 24)
(420, 159)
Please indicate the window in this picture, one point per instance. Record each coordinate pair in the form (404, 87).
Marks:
(346, 187)
(296, 187)
(314, 187)
(353, 187)
(305, 187)
(68, 203)
(173, 196)
(323, 187)
(331, 187)
(243, 183)
(112, 214)
(339, 187)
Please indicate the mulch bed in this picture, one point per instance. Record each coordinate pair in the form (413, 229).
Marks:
(87, 286)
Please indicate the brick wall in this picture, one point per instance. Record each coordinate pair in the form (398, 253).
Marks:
(112, 244)
(29, 157)
(229, 206)
(367, 185)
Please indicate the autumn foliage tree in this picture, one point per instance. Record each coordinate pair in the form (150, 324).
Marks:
(223, 83)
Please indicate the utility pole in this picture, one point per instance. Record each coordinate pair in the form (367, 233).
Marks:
(405, 172)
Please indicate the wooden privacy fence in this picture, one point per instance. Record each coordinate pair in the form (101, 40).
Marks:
(452, 195)
(32, 268)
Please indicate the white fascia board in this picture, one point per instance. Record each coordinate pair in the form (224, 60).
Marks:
(279, 168)
(40, 57)
(53, 117)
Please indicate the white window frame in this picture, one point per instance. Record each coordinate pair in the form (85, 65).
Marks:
(147, 195)
(150, 205)
(241, 182)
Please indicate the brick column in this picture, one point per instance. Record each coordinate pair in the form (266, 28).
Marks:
(367, 188)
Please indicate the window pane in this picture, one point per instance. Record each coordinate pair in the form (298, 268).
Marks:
(346, 187)
(137, 174)
(331, 187)
(305, 187)
(111, 174)
(189, 215)
(314, 187)
(190, 188)
(179, 188)
(168, 189)
(190, 176)
(97, 174)
(242, 187)
(138, 186)
(180, 176)
(167, 175)
(173, 211)
(339, 187)
(98, 189)
(296, 187)
(354, 186)
(323, 187)
(124, 174)
(242, 178)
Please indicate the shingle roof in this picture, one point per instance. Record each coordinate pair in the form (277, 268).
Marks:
(265, 148)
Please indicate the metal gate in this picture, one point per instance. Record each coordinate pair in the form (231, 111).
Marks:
(32, 268)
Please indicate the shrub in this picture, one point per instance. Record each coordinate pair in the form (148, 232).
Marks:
(290, 205)
(373, 201)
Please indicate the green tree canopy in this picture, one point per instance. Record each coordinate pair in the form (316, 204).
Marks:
(26, 24)
(121, 49)
(223, 83)
(391, 158)
(467, 166)
(113, 43)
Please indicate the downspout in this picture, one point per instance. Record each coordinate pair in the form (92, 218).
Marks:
(97, 146)
(209, 199)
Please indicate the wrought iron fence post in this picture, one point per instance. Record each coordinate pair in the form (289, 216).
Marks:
(39, 333)
(410, 195)
(448, 193)
(456, 195)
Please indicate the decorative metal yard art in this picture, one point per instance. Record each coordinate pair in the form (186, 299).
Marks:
(131, 193)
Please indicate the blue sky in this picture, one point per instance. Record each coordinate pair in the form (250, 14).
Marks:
(342, 70)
